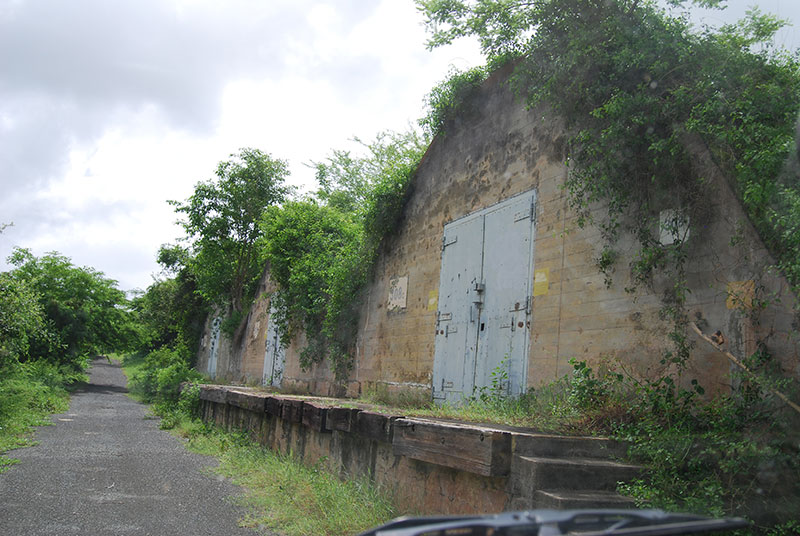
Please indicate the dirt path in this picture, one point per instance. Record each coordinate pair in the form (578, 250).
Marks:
(104, 469)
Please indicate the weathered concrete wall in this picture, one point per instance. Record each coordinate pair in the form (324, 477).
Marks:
(498, 149)
(426, 466)
(366, 452)
(240, 357)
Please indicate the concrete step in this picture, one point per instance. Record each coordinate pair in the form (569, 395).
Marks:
(540, 473)
(554, 446)
(570, 499)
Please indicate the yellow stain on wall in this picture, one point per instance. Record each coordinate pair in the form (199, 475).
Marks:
(433, 300)
(541, 282)
(741, 294)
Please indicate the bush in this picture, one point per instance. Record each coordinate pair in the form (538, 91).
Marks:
(29, 393)
(160, 377)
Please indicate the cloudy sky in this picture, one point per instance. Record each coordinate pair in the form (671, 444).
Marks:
(109, 108)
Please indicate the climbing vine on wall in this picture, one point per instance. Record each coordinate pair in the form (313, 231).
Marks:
(638, 88)
(320, 250)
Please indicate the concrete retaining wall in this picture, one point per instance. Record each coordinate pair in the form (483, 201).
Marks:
(428, 466)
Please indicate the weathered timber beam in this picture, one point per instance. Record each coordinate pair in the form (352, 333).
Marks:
(213, 393)
(341, 419)
(292, 410)
(249, 401)
(375, 426)
(476, 450)
(314, 416)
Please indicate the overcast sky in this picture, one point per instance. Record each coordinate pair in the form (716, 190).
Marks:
(109, 108)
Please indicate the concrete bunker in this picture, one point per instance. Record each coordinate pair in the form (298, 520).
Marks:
(488, 240)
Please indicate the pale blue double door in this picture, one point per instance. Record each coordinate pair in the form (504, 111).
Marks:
(485, 300)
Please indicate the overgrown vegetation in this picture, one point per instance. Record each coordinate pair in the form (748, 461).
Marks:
(217, 271)
(29, 394)
(641, 93)
(320, 250)
(54, 317)
(450, 98)
(637, 89)
(221, 223)
(171, 316)
(730, 455)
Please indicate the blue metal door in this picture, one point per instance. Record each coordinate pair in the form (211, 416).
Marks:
(459, 311)
(216, 327)
(505, 317)
(483, 321)
(274, 354)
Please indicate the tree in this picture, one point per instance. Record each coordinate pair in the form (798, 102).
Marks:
(85, 311)
(320, 252)
(171, 312)
(220, 220)
(21, 320)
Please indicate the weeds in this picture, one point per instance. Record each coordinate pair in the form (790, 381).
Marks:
(280, 492)
(29, 393)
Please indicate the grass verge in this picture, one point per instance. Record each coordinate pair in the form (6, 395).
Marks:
(281, 494)
(29, 394)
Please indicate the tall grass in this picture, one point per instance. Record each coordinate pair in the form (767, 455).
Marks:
(29, 394)
(280, 493)
(284, 495)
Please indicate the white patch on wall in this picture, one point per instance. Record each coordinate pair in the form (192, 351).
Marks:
(398, 293)
(673, 226)
(216, 327)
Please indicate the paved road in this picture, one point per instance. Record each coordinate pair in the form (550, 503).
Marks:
(106, 469)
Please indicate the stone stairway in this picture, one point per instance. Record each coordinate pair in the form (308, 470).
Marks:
(568, 472)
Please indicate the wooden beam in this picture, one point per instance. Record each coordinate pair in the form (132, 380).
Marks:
(314, 416)
(742, 366)
(249, 401)
(212, 393)
(292, 410)
(341, 419)
(476, 450)
(375, 426)
(274, 406)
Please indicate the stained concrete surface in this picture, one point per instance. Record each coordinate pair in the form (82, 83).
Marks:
(106, 469)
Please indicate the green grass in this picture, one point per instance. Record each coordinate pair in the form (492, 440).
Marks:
(132, 365)
(545, 409)
(281, 494)
(29, 394)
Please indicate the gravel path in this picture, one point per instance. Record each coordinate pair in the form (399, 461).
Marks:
(105, 468)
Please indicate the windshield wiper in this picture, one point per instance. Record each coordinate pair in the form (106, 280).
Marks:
(560, 522)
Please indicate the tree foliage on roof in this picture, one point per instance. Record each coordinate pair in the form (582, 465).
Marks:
(221, 222)
(633, 84)
(321, 250)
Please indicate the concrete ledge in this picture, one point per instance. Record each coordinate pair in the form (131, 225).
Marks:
(213, 393)
(430, 466)
(247, 400)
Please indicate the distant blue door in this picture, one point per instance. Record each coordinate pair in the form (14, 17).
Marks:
(485, 288)
(274, 354)
(216, 327)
